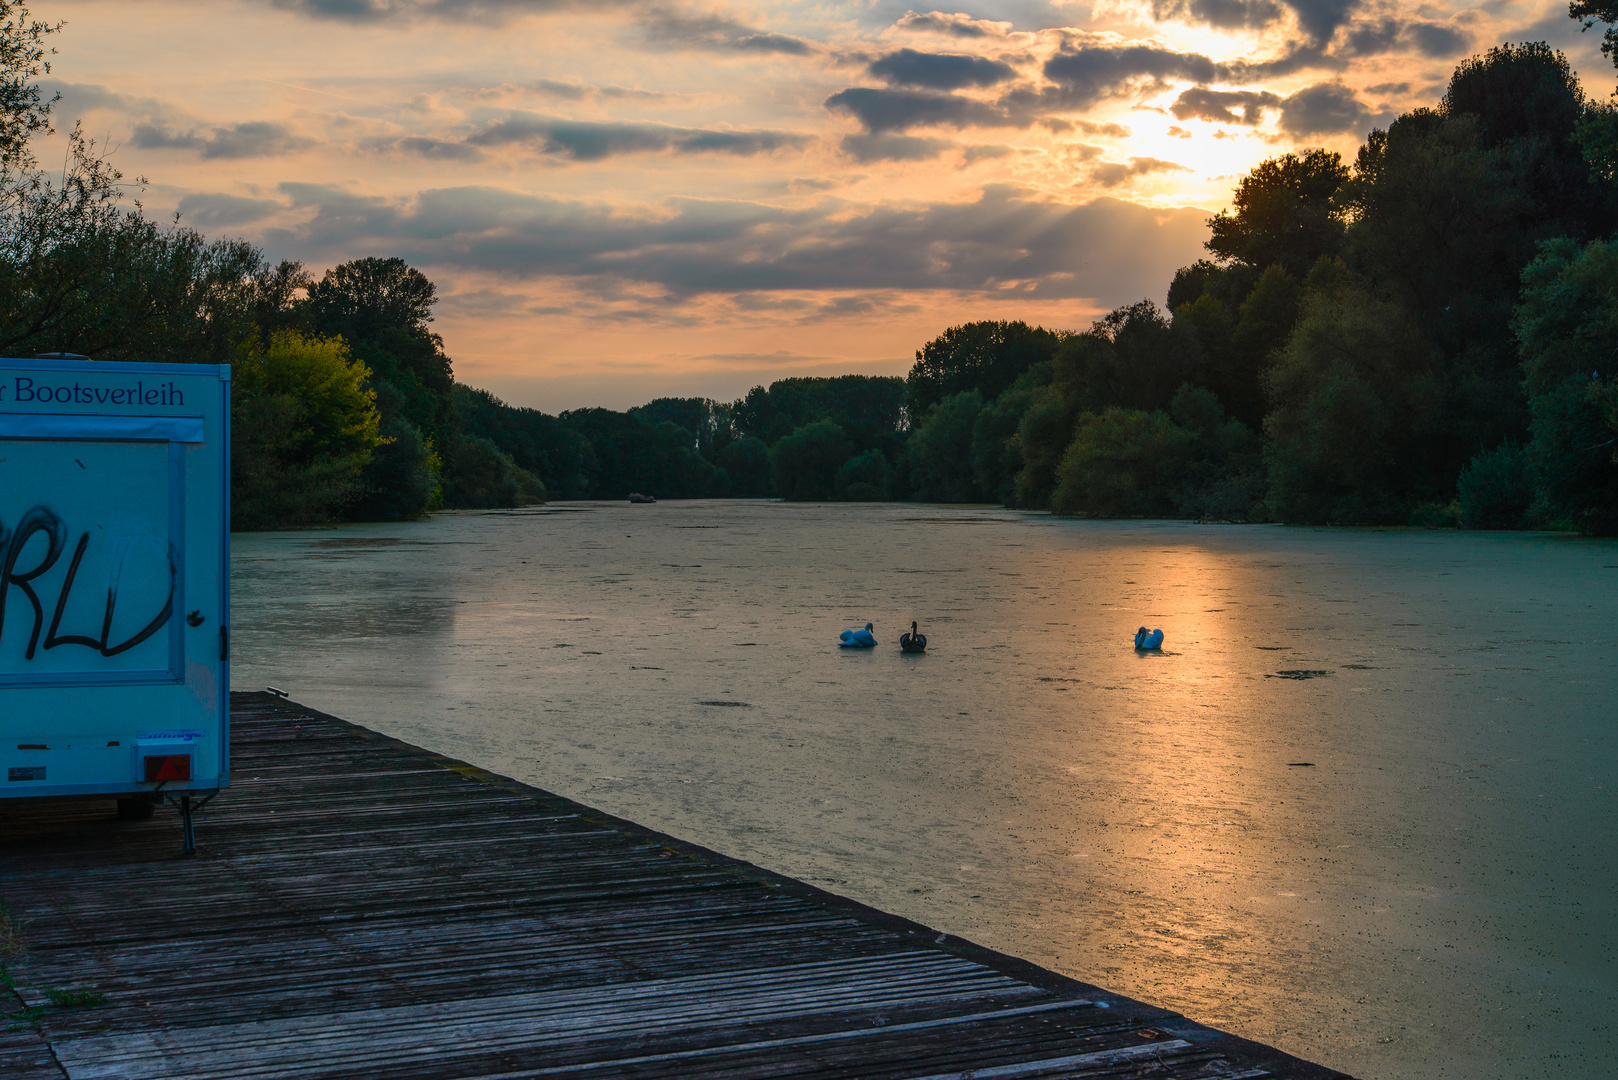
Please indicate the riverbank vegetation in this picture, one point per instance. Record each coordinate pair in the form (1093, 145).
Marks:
(1427, 334)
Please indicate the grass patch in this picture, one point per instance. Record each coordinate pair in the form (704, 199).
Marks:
(10, 946)
(26, 1018)
(75, 999)
(11, 952)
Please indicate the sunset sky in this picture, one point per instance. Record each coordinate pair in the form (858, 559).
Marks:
(625, 199)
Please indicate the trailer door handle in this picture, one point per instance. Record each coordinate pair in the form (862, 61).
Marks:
(224, 643)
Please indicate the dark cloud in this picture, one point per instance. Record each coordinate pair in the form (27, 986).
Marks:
(900, 110)
(961, 26)
(557, 88)
(1324, 109)
(865, 148)
(1321, 18)
(665, 26)
(1438, 40)
(940, 71)
(337, 212)
(216, 211)
(80, 97)
(1371, 38)
(1082, 76)
(1107, 249)
(569, 91)
(473, 11)
(1113, 173)
(572, 91)
(583, 140)
(255, 138)
(1299, 57)
(1086, 74)
(985, 152)
(1389, 88)
(429, 148)
(1244, 107)
(1225, 14)
(1375, 37)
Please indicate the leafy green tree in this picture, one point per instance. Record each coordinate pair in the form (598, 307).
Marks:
(382, 308)
(707, 421)
(1450, 204)
(869, 408)
(1597, 139)
(1567, 330)
(329, 385)
(1229, 284)
(1590, 12)
(865, 478)
(555, 453)
(1354, 402)
(24, 111)
(983, 356)
(746, 462)
(940, 451)
(1122, 463)
(1264, 322)
(1190, 461)
(78, 272)
(1133, 358)
(1223, 477)
(1043, 435)
(478, 475)
(404, 478)
(1436, 234)
(1284, 211)
(304, 427)
(1496, 489)
(1529, 104)
(996, 443)
(804, 464)
(634, 456)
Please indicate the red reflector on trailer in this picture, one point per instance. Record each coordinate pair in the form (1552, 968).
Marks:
(168, 767)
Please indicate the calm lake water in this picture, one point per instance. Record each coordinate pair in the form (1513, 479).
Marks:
(1433, 896)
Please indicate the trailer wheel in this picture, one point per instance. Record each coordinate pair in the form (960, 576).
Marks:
(135, 809)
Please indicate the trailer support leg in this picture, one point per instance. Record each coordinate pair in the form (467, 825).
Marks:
(185, 825)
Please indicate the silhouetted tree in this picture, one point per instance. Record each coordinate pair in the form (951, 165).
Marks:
(1285, 212)
(982, 356)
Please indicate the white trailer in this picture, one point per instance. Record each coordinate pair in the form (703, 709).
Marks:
(115, 583)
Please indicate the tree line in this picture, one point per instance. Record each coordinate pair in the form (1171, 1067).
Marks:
(1427, 335)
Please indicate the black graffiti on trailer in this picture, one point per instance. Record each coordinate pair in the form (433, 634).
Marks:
(41, 520)
(37, 520)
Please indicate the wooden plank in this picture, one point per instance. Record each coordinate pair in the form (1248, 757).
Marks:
(24, 1053)
(359, 906)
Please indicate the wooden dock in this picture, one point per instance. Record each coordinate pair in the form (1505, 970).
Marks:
(359, 907)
